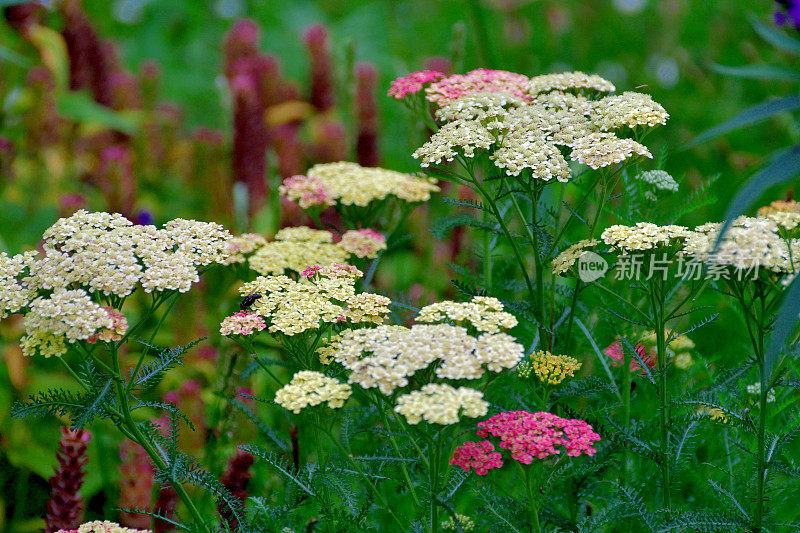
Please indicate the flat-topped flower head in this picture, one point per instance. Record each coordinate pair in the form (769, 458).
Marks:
(308, 389)
(660, 179)
(528, 436)
(363, 243)
(483, 313)
(644, 236)
(602, 149)
(413, 83)
(566, 259)
(15, 291)
(477, 81)
(351, 184)
(242, 246)
(102, 526)
(386, 356)
(242, 323)
(459, 137)
(306, 191)
(280, 256)
(748, 244)
(478, 106)
(780, 206)
(303, 234)
(567, 81)
(548, 368)
(629, 109)
(441, 404)
(479, 456)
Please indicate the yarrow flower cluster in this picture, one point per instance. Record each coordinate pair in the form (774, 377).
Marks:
(566, 259)
(527, 436)
(119, 325)
(242, 246)
(323, 295)
(523, 122)
(363, 243)
(748, 243)
(242, 323)
(308, 388)
(644, 236)
(413, 83)
(103, 526)
(483, 313)
(660, 179)
(548, 368)
(464, 521)
(386, 356)
(351, 184)
(479, 456)
(295, 249)
(618, 357)
(441, 404)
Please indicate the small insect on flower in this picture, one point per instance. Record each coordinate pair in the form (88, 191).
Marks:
(249, 300)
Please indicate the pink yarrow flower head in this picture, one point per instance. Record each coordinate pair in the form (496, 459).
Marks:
(306, 191)
(242, 323)
(538, 435)
(413, 83)
(617, 356)
(117, 330)
(480, 80)
(363, 243)
(477, 455)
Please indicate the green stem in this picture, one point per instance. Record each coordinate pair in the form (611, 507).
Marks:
(533, 503)
(761, 469)
(663, 398)
(397, 451)
(434, 451)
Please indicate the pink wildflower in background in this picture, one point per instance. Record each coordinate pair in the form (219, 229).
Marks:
(477, 455)
(617, 356)
(65, 506)
(242, 323)
(322, 94)
(363, 242)
(236, 478)
(366, 111)
(135, 484)
(306, 191)
(477, 81)
(413, 83)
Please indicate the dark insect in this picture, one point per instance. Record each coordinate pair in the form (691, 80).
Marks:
(249, 300)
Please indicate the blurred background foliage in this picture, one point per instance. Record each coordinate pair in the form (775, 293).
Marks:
(666, 48)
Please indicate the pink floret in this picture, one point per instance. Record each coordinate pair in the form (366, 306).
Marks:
(616, 354)
(477, 455)
(413, 83)
(478, 81)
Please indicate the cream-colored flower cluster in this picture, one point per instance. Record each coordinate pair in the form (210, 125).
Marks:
(103, 526)
(566, 259)
(442, 404)
(241, 246)
(15, 293)
(785, 219)
(483, 313)
(386, 356)
(644, 236)
(352, 184)
(660, 179)
(749, 243)
(530, 131)
(363, 243)
(323, 294)
(309, 388)
(550, 369)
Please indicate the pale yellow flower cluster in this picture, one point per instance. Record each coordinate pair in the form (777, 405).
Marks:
(566, 81)
(780, 206)
(309, 388)
(241, 246)
(15, 293)
(749, 243)
(103, 526)
(566, 259)
(466, 523)
(442, 404)
(322, 295)
(714, 413)
(643, 236)
(386, 356)
(483, 313)
(295, 249)
(363, 243)
(528, 132)
(352, 184)
(548, 368)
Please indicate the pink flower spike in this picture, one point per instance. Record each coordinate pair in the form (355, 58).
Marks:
(413, 83)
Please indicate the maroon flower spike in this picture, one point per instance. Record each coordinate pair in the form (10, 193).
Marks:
(165, 505)
(439, 64)
(116, 179)
(65, 506)
(366, 115)
(22, 17)
(135, 484)
(235, 478)
(316, 39)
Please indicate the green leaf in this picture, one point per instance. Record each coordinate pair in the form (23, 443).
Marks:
(80, 107)
(785, 324)
(783, 168)
(775, 37)
(9, 55)
(759, 72)
(747, 117)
